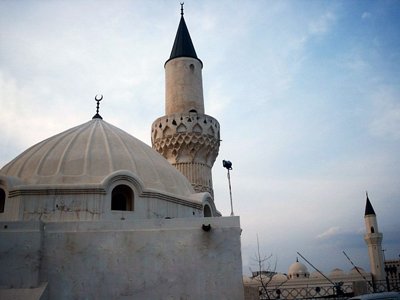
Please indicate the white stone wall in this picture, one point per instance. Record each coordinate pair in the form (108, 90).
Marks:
(183, 85)
(142, 259)
(90, 204)
(20, 254)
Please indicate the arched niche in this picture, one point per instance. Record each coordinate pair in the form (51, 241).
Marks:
(2, 200)
(122, 198)
(207, 211)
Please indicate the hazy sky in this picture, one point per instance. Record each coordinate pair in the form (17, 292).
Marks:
(307, 94)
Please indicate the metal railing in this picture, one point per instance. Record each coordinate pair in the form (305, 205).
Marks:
(388, 285)
(323, 291)
(326, 291)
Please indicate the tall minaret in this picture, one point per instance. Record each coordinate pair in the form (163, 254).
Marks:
(187, 137)
(373, 238)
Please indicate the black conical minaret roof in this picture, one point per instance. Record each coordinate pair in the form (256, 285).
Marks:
(183, 46)
(369, 210)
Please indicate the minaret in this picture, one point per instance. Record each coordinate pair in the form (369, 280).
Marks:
(187, 137)
(373, 238)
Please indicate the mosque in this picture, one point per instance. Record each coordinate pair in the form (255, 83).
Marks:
(299, 283)
(94, 213)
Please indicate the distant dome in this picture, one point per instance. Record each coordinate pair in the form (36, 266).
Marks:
(280, 277)
(298, 270)
(354, 271)
(336, 272)
(247, 280)
(88, 153)
(316, 274)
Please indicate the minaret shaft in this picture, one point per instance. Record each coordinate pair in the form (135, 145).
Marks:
(187, 137)
(183, 86)
(373, 239)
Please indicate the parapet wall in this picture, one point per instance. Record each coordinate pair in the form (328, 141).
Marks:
(144, 259)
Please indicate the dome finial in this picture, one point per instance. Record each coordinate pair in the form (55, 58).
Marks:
(182, 3)
(97, 116)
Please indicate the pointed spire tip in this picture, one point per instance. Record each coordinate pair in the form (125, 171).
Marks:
(369, 210)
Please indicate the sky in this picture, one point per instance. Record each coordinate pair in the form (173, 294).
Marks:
(307, 94)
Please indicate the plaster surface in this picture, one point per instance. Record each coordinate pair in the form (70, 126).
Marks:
(183, 86)
(142, 259)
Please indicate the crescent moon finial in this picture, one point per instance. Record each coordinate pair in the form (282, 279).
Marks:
(182, 3)
(98, 99)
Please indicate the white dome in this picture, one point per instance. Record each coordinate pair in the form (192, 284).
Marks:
(298, 270)
(247, 280)
(316, 274)
(353, 271)
(336, 272)
(88, 153)
(279, 277)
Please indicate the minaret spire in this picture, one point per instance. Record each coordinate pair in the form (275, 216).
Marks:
(369, 210)
(373, 239)
(183, 45)
(187, 137)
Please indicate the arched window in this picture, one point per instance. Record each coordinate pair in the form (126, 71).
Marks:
(372, 229)
(2, 200)
(122, 198)
(207, 211)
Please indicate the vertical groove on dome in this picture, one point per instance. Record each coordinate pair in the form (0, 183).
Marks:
(18, 165)
(154, 172)
(117, 133)
(100, 127)
(29, 160)
(45, 165)
(107, 143)
(63, 162)
(85, 163)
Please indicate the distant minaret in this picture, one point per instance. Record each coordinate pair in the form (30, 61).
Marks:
(373, 238)
(187, 137)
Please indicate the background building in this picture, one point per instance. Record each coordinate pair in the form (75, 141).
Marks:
(392, 270)
(299, 283)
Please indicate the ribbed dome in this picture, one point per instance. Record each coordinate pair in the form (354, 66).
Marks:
(316, 274)
(88, 153)
(279, 277)
(336, 272)
(354, 271)
(298, 269)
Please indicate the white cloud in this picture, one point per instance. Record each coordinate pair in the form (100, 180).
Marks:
(386, 113)
(330, 232)
(366, 15)
(323, 24)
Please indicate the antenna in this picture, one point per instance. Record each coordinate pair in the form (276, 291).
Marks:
(357, 268)
(316, 268)
(337, 285)
(228, 165)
